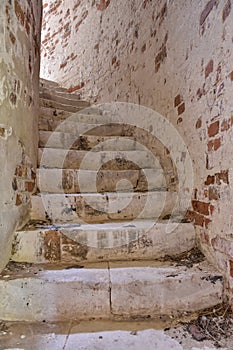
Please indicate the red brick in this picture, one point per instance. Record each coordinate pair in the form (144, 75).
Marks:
(200, 207)
(212, 208)
(181, 108)
(213, 193)
(178, 100)
(19, 200)
(209, 68)
(231, 76)
(226, 11)
(19, 12)
(225, 125)
(210, 180)
(199, 123)
(208, 8)
(102, 4)
(223, 176)
(63, 65)
(29, 186)
(75, 88)
(217, 144)
(213, 129)
(231, 267)
(214, 145)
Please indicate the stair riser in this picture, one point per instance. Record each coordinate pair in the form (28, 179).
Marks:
(74, 127)
(72, 245)
(102, 208)
(67, 99)
(67, 181)
(87, 142)
(82, 294)
(114, 160)
(65, 107)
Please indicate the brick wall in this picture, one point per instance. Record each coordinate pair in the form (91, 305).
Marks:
(19, 70)
(172, 56)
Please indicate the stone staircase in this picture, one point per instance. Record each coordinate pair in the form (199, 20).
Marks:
(97, 245)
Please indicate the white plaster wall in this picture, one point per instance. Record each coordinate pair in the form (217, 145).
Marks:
(20, 23)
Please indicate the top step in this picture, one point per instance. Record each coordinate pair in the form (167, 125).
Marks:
(48, 83)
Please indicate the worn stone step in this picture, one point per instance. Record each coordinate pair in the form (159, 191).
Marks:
(108, 335)
(90, 160)
(76, 181)
(41, 243)
(48, 83)
(107, 207)
(66, 107)
(37, 294)
(54, 139)
(67, 121)
(63, 97)
(74, 127)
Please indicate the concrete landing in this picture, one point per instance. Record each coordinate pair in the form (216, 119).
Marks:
(34, 293)
(86, 336)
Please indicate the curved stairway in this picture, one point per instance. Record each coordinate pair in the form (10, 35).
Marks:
(97, 243)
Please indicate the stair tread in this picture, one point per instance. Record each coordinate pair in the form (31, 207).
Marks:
(136, 224)
(146, 271)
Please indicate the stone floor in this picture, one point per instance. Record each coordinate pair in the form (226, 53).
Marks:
(101, 335)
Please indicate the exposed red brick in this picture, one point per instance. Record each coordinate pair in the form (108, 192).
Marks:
(200, 93)
(200, 207)
(223, 176)
(52, 246)
(213, 193)
(19, 200)
(231, 267)
(12, 37)
(19, 12)
(178, 100)
(226, 124)
(143, 49)
(45, 5)
(102, 4)
(212, 208)
(27, 27)
(181, 108)
(199, 123)
(160, 57)
(226, 11)
(198, 219)
(231, 76)
(210, 180)
(208, 8)
(209, 68)
(214, 145)
(63, 65)
(29, 186)
(75, 88)
(213, 129)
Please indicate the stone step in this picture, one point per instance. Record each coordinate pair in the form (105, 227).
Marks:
(106, 207)
(66, 107)
(35, 294)
(90, 115)
(41, 243)
(90, 160)
(67, 121)
(107, 335)
(48, 83)
(64, 98)
(55, 139)
(87, 181)
(74, 127)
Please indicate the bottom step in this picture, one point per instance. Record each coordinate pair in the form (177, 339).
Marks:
(36, 294)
